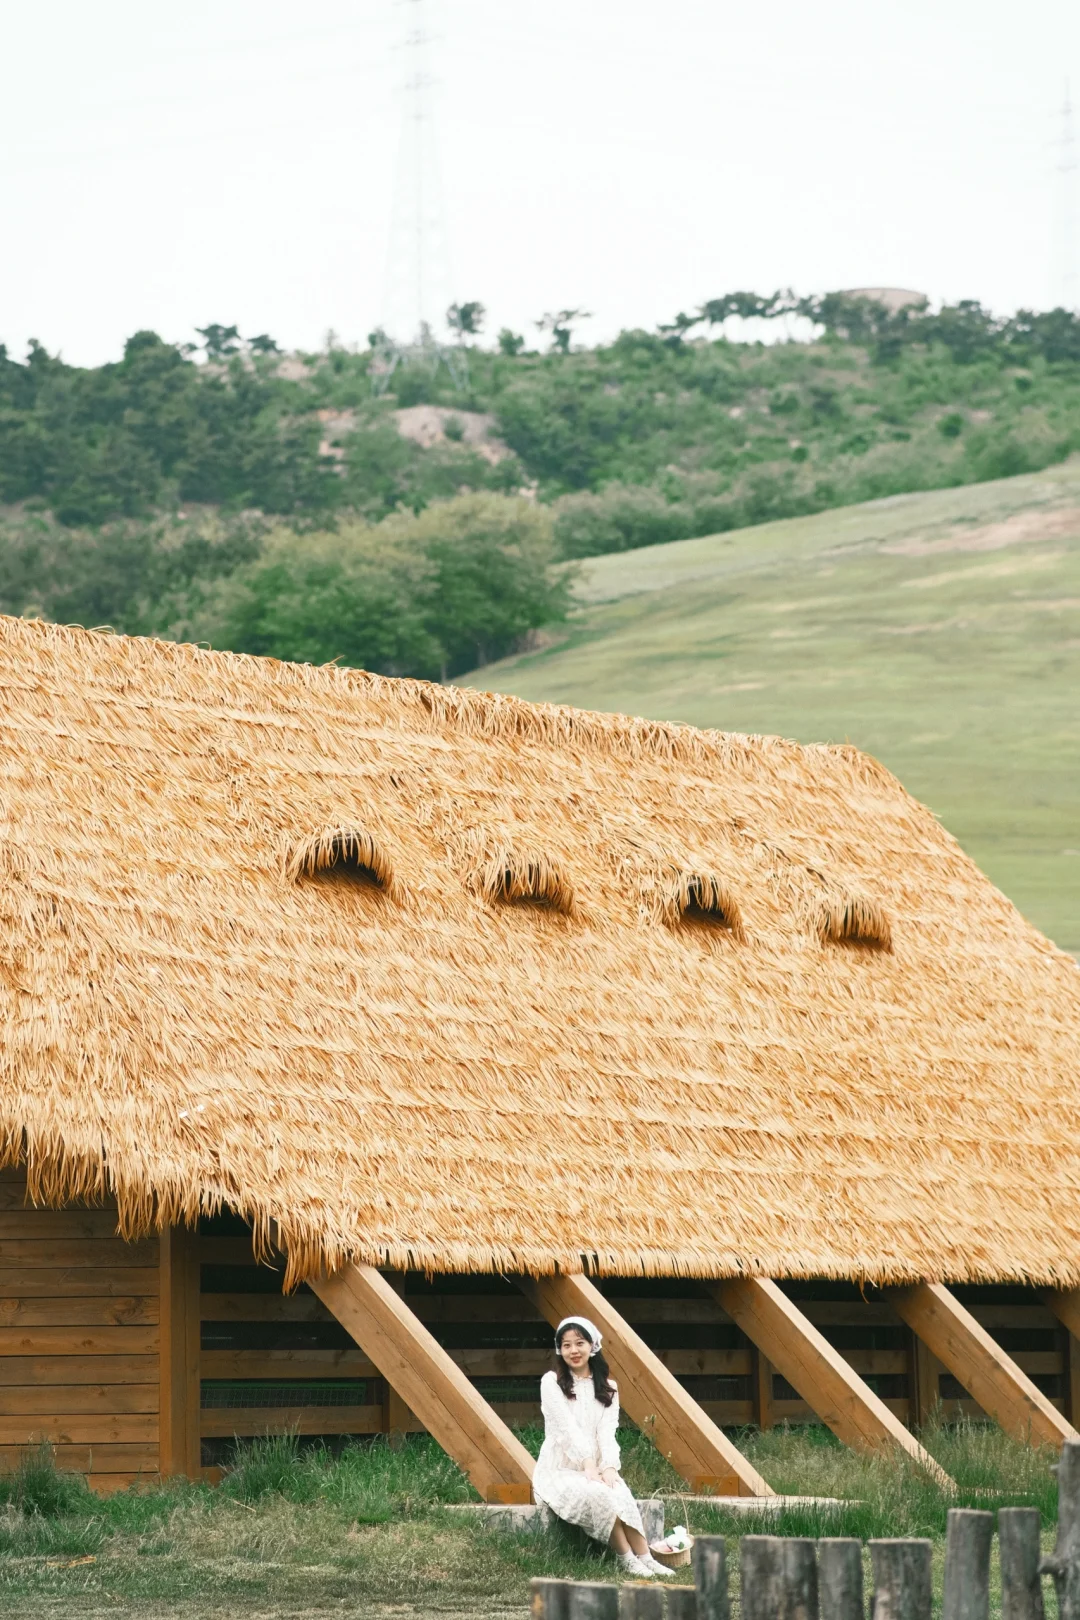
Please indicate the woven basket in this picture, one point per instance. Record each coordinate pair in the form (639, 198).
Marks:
(673, 1560)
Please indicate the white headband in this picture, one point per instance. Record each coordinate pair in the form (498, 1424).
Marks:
(590, 1328)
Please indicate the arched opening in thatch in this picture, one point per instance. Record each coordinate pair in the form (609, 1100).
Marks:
(527, 878)
(701, 900)
(341, 854)
(853, 919)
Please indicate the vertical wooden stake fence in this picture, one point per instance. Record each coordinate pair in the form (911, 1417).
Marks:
(778, 1578)
(1063, 1564)
(682, 1603)
(967, 1565)
(709, 1559)
(590, 1600)
(549, 1600)
(840, 1578)
(1018, 1548)
(902, 1584)
(644, 1602)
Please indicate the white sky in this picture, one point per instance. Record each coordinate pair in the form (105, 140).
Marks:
(167, 164)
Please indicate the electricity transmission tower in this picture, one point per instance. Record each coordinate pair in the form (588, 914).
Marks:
(418, 282)
(1068, 275)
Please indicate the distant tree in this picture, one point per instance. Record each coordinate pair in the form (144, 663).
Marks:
(465, 320)
(676, 330)
(491, 579)
(851, 316)
(746, 305)
(1054, 333)
(510, 343)
(263, 344)
(966, 330)
(219, 341)
(560, 324)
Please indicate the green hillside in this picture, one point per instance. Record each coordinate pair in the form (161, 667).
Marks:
(939, 631)
(655, 436)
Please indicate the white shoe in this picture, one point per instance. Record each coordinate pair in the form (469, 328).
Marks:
(631, 1564)
(655, 1567)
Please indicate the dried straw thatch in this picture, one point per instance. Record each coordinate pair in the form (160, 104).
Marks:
(872, 1069)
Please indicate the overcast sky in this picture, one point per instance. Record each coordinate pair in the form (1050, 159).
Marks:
(168, 165)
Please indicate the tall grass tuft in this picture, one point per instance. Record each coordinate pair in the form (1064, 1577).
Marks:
(272, 1465)
(372, 1482)
(37, 1486)
(887, 1494)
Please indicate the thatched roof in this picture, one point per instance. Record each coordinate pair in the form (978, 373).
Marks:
(763, 1014)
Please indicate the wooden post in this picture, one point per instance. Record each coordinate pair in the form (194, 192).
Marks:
(653, 1396)
(980, 1364)
(778, 1578)
(1072, 1378)
(1065, 1304)
(641, 1600)
(1063, 1564)
(178, 1355)
(709, 1559)
(1018, 1544)
(428, 1381)
(682, 1603)
(967, 1565)
(593, 1600)
(761, 1374)
(549, 1600)
(924, 1382)
(903, 1589)
(821, 1375)
(840, 1578)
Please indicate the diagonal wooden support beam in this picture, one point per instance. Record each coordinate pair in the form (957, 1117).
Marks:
(652, 1396)
(989, 1375)
(428, 1381)
(822, 1377)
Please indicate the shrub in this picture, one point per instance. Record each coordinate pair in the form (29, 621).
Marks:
(431, 594)
(620, 518)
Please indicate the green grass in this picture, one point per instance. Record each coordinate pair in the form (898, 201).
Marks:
(300, 1532)
(940, 632)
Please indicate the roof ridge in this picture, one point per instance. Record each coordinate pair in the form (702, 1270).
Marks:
(478, 712)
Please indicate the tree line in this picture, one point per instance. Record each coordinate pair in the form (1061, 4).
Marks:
(272, 503)
(431, 594)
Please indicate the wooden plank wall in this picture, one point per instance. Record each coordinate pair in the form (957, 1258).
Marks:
(79, 1346)
(78, 1340)
(265, 1349)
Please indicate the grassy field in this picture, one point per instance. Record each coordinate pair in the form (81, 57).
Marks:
(378, 1531)
(939, 631)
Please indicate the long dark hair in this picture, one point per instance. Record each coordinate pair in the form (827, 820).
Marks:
(601, 1374)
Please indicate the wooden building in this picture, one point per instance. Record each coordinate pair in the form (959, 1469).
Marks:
(354, 1030)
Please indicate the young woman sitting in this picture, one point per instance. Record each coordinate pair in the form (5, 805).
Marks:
(577, 1472)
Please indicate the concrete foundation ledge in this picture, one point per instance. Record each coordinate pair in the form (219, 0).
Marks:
(533, 1518)
(757, 1504)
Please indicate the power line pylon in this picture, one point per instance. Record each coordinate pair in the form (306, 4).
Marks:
(418, 279)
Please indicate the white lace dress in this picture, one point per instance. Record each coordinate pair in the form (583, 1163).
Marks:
(577, 1432)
